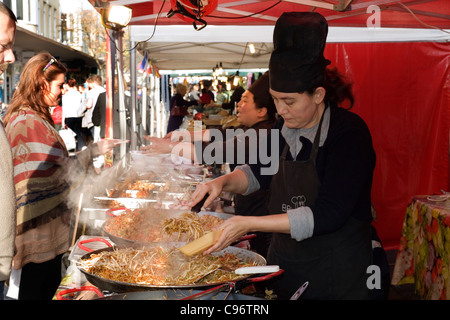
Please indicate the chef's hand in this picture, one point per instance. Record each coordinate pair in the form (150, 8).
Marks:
(232, 229)
(213, 188)
(101, 147)
(157, 145)
(179, 136)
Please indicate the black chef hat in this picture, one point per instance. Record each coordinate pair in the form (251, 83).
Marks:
(297, 63)
(261, 94)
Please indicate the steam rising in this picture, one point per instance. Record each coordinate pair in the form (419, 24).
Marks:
(85, 186)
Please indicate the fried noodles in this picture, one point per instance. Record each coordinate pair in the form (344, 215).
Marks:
(162, 267)
(142, 190)
(139, 225)
(192, 224)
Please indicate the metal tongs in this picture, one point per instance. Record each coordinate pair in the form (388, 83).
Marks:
(299, 291)
(231, 285)
(440, 197)
(198, 207)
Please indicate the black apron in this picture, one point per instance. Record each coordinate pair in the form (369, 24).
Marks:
(255, 204)
(334, 264)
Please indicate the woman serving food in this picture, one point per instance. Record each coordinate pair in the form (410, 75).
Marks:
(319, 199)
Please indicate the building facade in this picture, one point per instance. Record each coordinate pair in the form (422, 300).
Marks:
(41, 27)
(39, 16)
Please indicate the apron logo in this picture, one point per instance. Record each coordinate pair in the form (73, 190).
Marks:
(296, 202)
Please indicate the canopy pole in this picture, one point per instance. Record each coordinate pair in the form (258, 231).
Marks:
(133, 91)
(109, 133)
(121, 86)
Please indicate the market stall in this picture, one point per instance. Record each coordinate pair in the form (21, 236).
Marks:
(129, 236)
(401, 92)
(400, 81)
(395, 52)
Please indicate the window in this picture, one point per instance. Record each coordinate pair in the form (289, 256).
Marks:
(8, 3)
(19, 9)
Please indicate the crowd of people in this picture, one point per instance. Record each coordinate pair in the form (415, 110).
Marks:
(204, 98)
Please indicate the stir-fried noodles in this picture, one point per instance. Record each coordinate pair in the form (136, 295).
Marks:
(140, 225)
(162, 267)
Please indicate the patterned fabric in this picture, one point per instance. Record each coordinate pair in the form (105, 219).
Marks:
(424, 250)
(8, 206)
(42, 229)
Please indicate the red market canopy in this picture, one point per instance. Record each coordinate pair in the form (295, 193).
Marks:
(174, 44)
(342, 13)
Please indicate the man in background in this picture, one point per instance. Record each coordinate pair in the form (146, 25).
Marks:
(95, 90)
(95, 117)
(7, 188)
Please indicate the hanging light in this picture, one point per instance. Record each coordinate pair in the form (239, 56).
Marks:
(116, 17)
(217, 70)
(251, 47)
(236, 79)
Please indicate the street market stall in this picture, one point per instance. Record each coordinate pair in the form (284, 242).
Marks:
(140, 217)
(399, 69)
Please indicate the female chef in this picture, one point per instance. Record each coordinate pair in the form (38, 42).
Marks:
(319, 200)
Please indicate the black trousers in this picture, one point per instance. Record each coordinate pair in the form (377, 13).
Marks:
(39, 281)
(174, 123)
(75, 125)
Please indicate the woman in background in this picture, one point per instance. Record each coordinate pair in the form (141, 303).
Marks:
(177, 100)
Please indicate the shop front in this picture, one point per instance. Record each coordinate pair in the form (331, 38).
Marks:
(27, 44)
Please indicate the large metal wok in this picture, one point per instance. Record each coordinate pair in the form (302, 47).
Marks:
(120, 287)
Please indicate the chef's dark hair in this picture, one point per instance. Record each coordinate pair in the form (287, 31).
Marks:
(261, 95)
(338, 88)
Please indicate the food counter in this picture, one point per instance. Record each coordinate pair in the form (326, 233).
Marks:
(423, 257)
(81, 285)
(146, 214)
